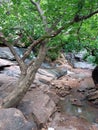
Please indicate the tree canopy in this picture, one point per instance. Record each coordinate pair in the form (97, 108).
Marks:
(25, 16)
(45, 24)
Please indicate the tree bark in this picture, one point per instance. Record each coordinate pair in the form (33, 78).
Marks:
(25, 81)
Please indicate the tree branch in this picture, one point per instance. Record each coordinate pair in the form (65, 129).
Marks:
(35, 43)
(55, 33)
(77, 18)
(18, 59)
(32, 1)
(72, 22)
(40, 57)
(41, 13)
(78, 31)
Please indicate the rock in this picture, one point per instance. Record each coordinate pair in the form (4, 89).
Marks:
(13, 71)
(45, 65)
(20, 51)
(85, 84)
(83, 65)
(93, 95)
(67, 122)
(7, 84)
(94, 127)
(80, 75)
(44, 76)
(62, 92)
(80, 55)
(76, 102)
(58, 72)
(76, 60)
(5, 63)
(53, 96)
(66, 82)
(38, 104)
(70, 58)
(9, 68)
(13, 119)
(6, 54)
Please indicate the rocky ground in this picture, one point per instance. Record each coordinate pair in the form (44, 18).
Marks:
(57, 100)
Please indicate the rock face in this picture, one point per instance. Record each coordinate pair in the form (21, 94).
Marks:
(12, 71)
(83, 65)
(39, 105)
(13, 119)
(67, 122)
(77, 60)
(7, 84)
(5, 63)
(40, 102)
(6, 54)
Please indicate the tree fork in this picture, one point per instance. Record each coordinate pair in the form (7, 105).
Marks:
(25, 81)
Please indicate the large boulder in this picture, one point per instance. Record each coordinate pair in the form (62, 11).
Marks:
(13, 119)
(37, 104)
(5, 53)
(7, 84)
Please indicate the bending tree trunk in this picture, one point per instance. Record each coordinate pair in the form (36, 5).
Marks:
(25, 81)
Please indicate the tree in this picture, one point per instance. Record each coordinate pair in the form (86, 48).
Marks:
(37, 23)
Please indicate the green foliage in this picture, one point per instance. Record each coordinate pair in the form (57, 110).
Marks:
(91, 59)
(21, 17)
(53, 55)
(17, 2)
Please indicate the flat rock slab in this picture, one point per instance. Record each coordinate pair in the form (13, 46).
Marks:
(67, 122)
(13, 119)
(44, 76)
(12, 71)
(5, 53)
(4, 62)
(38, 104)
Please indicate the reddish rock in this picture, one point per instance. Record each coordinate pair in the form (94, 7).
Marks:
(67, 122)
(38, 104)
(13, 119)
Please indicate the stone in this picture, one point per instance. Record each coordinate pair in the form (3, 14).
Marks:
(13, 119)
(83, 65)
(86, 83)
(13, 71)
(68, 122)
(44, 76)
(58, 72)
(94, 127)
(7, 84)
(4, 62)
(76, 102)
(39, 105)
(80, 55)
(5, 53)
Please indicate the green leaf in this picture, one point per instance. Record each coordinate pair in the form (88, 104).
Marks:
(17, 2)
